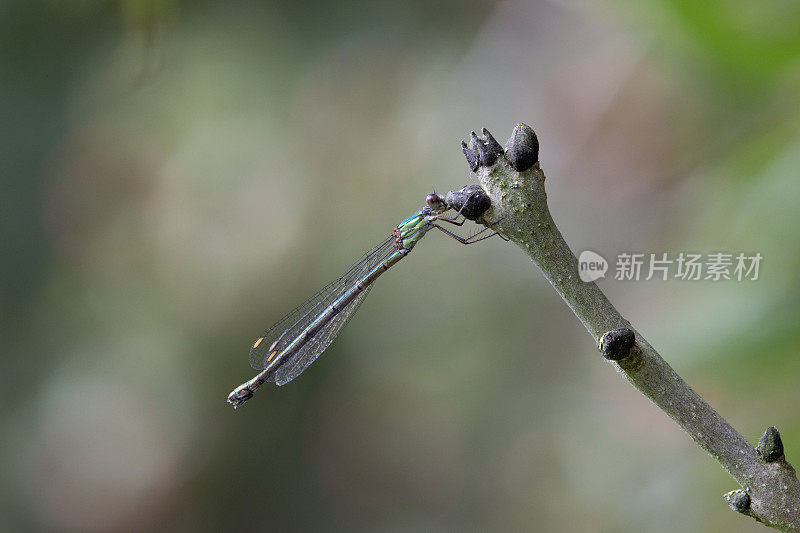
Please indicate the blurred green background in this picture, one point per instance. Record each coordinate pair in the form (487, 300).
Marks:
(178, 175)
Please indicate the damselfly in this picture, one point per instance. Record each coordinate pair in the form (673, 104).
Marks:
(286, 349)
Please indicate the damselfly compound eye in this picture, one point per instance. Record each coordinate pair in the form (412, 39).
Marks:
(435, 202)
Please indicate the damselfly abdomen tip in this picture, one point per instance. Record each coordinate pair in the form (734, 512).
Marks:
(239, 396)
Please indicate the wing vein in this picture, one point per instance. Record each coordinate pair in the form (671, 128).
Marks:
(292, 324)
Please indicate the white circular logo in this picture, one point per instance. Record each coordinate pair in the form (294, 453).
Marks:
(591, 266)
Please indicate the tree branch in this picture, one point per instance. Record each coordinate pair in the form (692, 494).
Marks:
(514, 181)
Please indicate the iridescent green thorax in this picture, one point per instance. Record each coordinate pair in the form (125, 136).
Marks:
(411, 230)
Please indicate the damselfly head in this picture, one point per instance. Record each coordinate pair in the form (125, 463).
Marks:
(436, 203)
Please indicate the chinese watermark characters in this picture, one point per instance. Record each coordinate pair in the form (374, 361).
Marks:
(717, 266)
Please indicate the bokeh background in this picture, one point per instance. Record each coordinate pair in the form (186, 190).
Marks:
(178, 175)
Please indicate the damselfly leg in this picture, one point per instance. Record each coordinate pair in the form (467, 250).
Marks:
(472, 239)
(468, 240)
(456, 222)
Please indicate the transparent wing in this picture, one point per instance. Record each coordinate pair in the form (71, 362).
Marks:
(306, 355)
(286, 329)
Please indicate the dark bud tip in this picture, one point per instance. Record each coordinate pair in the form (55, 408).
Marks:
(738, 500)
(471, 201)
(474, 141)
(770, 445)
(486, 157)
(491, 143)
(522, 148)
(471, 155)
(617, 344)
(487, 150)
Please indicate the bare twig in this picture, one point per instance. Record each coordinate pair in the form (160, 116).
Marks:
(514, 182)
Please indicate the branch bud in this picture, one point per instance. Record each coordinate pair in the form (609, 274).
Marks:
(522, 148)
(617, 344)
(770, 445)
(471, 201)
(491, 144)
(471, 155)
(738, 500)
(486, 157)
